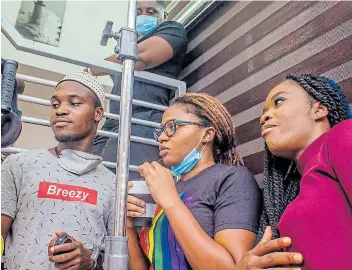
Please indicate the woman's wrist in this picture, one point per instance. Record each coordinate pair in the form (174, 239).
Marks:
(172, 202)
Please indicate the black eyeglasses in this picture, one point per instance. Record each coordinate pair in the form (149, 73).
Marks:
(170, 127)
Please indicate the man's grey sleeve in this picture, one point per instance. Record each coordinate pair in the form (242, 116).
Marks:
(9, 192)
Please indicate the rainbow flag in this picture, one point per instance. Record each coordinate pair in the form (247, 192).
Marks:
(159, 243)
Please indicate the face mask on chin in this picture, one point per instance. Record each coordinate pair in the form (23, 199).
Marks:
(189, 161)
(77, 162)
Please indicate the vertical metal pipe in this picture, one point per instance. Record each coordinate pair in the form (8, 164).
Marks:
(123, 153)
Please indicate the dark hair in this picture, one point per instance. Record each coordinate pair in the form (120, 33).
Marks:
(212, 113)
(281, 183)
(96, 101)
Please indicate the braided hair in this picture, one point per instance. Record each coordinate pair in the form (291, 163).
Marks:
(281, 183)
(212, 113)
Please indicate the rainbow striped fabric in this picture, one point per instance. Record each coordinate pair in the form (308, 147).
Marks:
(159, 242)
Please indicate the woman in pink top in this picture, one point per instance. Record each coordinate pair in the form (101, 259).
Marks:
(307, 128)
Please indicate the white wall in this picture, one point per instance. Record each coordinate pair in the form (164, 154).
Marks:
(82, 27)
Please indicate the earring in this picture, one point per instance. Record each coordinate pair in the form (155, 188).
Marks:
(289, 170)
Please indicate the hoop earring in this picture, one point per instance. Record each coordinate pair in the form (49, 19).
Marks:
(289, 170)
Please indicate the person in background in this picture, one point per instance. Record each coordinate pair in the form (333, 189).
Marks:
(162, 48)
(209, 218)
(61, 189)
(307, 128)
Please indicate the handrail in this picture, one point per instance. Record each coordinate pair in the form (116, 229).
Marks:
(46, 123)
(45, 102)
(37, 48)
(137, 102)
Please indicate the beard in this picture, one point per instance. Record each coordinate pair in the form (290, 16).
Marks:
(71, 137)
(75, 137)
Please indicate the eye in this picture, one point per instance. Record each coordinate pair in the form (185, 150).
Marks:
(55, 105)
(151, 12)
(75, 103)
(278, 101)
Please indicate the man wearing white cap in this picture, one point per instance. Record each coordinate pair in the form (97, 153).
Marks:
(62, 189)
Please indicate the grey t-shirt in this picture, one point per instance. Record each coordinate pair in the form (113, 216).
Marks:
(220, 197)
(43, 198)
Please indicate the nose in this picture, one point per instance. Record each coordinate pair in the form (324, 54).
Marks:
(163, 137)
(265, 117)
(62, 110)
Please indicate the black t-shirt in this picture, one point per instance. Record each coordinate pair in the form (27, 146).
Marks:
(175, 34)
(220, 197)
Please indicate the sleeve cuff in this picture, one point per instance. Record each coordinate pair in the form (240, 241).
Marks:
(234, 226)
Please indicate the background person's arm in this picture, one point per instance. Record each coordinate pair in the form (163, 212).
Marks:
(170, 39)
(152, 52)
(137, 259)
(6, 223)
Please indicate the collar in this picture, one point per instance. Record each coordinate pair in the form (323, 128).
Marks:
(78, 162)
(309, 152)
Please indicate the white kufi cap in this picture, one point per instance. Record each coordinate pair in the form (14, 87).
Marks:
(87, 80)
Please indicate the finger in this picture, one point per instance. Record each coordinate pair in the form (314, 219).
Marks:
(130, 185)
(145, 169)
(280, 268)
(58, 234)
(64, 258)
(133, 200)
(64, 248)
(268, 235)
(66, 265)
(133, 214)
(156, 165)
(280, 258)
(272, 245)
(135, 208)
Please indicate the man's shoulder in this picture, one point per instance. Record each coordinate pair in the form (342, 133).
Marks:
(172, 24)
(28, 156)
(105, 171)
(171, 27)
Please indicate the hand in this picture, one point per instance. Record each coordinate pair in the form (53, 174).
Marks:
(263, 255)
(76, 258)
(135, 207)
(160, 183)
(94, 72)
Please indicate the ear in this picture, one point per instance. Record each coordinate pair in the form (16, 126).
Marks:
(99, 114)
(209, 135)
(319, 111)
(166, 15)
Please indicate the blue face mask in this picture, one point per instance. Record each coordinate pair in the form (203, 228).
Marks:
(146, 24)
(188, 162)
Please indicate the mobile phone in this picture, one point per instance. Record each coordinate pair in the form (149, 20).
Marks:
(62, 239)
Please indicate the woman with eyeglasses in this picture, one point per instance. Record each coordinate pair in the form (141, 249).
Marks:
(209, 218)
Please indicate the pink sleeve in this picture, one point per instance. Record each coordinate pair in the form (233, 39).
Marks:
(340, 154)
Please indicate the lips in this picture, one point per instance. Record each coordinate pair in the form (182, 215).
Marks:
(163, 150)
(60, 122)
(266, 129)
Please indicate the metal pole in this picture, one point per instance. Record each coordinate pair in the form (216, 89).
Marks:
(116, 246)
(123, 147)
(123, 153)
